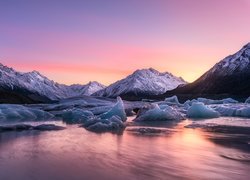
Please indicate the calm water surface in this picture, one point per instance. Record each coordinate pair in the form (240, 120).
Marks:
(74, 153)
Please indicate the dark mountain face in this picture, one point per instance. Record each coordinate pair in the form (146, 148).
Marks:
(20, 96)
(228, 78)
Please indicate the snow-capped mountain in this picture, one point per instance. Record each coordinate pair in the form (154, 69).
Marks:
(33, 85)
(141, 83)
(230, 76)
(236, 63)
(87, 89)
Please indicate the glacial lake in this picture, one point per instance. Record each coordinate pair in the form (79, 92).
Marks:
(176, 153)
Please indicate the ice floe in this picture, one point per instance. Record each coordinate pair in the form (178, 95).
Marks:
(158, 113)
(116, 110)
(20, 113)
(247, 100)
(76, 115)
(113, 124)
(199, 110)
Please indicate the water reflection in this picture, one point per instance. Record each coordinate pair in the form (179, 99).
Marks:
(75, 153)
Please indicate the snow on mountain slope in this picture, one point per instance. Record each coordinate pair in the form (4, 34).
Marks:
(145, 81)
(228, 78)
(87, 89)
(237, 62)
(41, 85)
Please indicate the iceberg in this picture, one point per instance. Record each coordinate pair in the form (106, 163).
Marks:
(76, 115)
(116, 110)
(211, 101)
(239, 110)
(19, 113)
(113, 124)
(243, 112)
(247, 100)
(225, 110)
(172, 100)
(159, 113)
(199, 110)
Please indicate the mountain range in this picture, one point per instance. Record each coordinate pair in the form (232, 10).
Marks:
(142, 83)
(32, 87)
(228, 78)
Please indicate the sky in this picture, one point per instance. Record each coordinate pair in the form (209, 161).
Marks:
(77, 41)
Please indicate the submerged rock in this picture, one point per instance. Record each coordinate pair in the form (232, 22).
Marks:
(48, 127)
(146, 130)
(212, 127)
(17, 127)
(26, 127)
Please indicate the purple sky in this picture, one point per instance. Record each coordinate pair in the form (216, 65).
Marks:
(77, 41)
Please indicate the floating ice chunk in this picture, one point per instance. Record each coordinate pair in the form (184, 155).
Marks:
(19, 112)
(243, 112)
(199, 110)
(114, 124)
(187, 104)
(239, 110)
(247, 100)
(76, 115)
(229, 101)
(116, 110)
(157, 113)
(172, 100)
(226, 110)
(100, 109)
(211, 101)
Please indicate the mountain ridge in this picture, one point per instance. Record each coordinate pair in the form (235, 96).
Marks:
(35, 86)
(142, 82)
(230, 77)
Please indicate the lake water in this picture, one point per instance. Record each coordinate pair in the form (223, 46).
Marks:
(74, 153)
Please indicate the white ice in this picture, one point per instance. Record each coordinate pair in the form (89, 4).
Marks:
(159, 113)
(22, 113)
(172, 100)
(199, 110)
(113, 124)
(116, 110)
(76, 115)
(247, 100)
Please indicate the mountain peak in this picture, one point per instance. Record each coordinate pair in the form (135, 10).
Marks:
(230, 76)
(247, 45)
(142, 81)
(5, 68)
(145, 71)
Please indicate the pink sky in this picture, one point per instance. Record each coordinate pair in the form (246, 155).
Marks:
(79, 41)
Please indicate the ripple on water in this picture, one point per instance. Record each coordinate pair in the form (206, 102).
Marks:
(243, 157)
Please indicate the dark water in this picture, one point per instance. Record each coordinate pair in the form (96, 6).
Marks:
(74, 153)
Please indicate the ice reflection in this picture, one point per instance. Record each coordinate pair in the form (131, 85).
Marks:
(75, 153)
